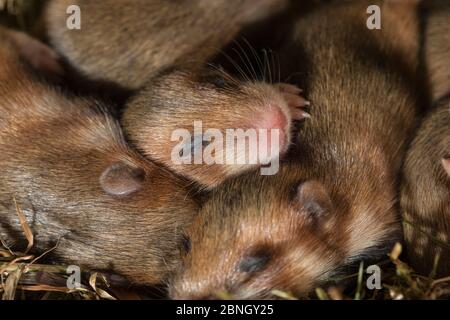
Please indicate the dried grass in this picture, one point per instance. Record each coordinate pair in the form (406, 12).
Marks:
(19, 272)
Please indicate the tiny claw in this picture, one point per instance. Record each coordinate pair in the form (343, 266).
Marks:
(295, 101)
(304, 103)
(306, 115)
(300, 114)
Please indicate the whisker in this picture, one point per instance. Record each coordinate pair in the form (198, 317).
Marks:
(267, 66)
(223, 73)
(273, 66)
(250, 73)
(250, 64)
(236, 65)
(257, 57)
(279, 67)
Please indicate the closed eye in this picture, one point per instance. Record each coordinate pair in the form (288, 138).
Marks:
(255, 261)
(220, 81)
(186, 244)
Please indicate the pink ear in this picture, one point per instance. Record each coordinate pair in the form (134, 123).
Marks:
(37, 54)
(446, 165)
(122, 180)
(313, 199)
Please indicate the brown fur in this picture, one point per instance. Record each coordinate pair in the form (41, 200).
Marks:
(129, 41)
(66, 163)
(334, 202)
(425, 197)
(437, 46)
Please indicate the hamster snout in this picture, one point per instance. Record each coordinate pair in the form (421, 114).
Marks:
(286, 241)
(209, 126)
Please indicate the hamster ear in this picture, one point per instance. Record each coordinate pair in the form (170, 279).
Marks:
(37, 54)
(313, 200)
(121, 180)
(446, 165)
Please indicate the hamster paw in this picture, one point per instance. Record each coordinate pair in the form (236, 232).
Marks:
(294, 100)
